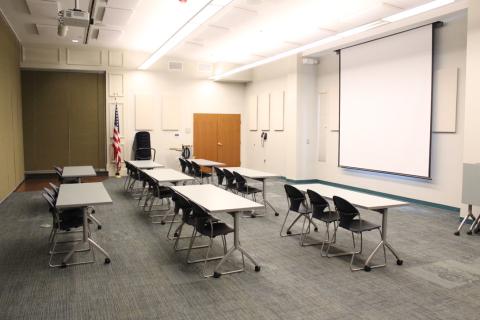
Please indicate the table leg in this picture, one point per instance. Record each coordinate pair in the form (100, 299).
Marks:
(85, 240)
(383, 242)
(236, 246)
(265, 201)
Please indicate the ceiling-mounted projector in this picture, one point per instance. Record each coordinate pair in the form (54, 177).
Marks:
(73, 18)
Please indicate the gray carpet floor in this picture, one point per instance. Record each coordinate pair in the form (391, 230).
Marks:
(440, 277)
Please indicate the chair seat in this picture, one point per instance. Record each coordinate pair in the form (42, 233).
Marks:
(71, 218)
(362, 225)
(248, 190)
(327, 216)
(162, 192)
(219, 228)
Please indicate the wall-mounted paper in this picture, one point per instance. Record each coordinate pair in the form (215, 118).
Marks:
(144, 112)
(277, 109)
(264, 111)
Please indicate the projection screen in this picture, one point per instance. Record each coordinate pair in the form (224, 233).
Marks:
(386, 104)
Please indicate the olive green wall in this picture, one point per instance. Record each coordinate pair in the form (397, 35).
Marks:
(11, 137)
(63, 119)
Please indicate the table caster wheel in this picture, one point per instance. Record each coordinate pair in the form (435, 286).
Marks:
(277, 214)
(399, 262)
(175, 235)
(457, 233)
(257, 268)
(162, 222)
(99, 227)
(289, 232)
(107, 260)
(316, 229)
(64, 265)
(469, 233)
(253, 215)
(216, 274)
(367, 268)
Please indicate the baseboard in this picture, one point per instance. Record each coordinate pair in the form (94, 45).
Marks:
(377, 193)
(10, 193)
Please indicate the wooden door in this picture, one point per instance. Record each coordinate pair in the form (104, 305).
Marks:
(205, 136)
(216, 137)
(229, 139)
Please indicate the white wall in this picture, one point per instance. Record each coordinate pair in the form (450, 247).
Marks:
(446, 163)
(196, 96)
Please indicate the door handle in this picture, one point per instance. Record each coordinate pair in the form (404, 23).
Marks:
(219, 144)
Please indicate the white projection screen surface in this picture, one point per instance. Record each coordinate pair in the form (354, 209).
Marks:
(386, 104)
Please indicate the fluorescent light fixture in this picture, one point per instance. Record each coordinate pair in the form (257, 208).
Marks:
(208, 11)
(396, 17)
(75, 41)
(417, 10)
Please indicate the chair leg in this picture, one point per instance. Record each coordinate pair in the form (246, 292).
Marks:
(289, 233)
(206, 259)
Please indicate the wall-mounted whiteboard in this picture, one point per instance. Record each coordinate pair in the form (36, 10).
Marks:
(171, 113)
(277, 109)
(144, 112)
(252, 106)
(386, 103)
(445, 100)
(264, 111)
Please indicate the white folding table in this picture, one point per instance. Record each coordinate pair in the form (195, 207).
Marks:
(163, 175)
(83, 195)
(145, 164)
(207, 163)
(217, 200)
(363, 200)
(78, 172)
(259, 176)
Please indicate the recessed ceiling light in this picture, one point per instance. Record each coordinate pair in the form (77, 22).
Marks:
(75, 41)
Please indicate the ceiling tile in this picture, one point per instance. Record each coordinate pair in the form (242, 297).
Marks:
(234, 17)
(116, 17)
(49, 32)
(123, 4)
(45, 9)
(107, 35)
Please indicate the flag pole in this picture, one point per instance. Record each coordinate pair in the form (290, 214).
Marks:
(117, 153)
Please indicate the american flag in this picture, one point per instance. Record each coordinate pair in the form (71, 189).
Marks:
(117, 150)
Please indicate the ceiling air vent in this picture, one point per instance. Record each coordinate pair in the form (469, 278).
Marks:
(175, 66)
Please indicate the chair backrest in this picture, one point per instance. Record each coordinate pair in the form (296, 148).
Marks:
(51, 193)
(346, 211)
(189, 167)
(230, 178)
(317, 202)
(51, 207)
(55, 188)
(295, 197)
(58, 169)
(196, 168)
(239, 180)
(183, 164)
(58, 172)
(181, 203)
(220, 175)
(199, 215)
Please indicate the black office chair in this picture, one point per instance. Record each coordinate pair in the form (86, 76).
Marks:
(142, 147)
(230, 181)
(351, 220)
(62, 223)
(157, 192)
(243, 188)
(210, 227)
(220, 176)
(297, 202)
(321, 211)
(199, 174)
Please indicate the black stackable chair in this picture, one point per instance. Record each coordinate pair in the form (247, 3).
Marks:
(220, 176)
(189, 168)
(321, 211)
(198, 173)
(230, 181)
(61, 179)
(350, 219)
(243, 188)
(183, 165)
(206, 225)
(155, 191)
(297, 203)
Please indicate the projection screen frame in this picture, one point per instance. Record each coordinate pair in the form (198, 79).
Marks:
(435, 25)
